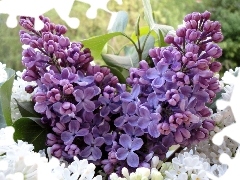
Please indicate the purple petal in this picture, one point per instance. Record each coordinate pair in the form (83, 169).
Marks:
(74, 126)
(82, 132)
(56, 106)
(119, 121)
(144, 112)
(128, 129)
(136, 90)
(40, 107)
(186, 90)
(132, 159)
(88, 139)
(158, 82)
(104, 111)
(136, 144)
(78, 94)
(131, 108)
(132, 120)
(66, 136)
(89, 106)
(65, 73)
(96, 153)
(168, 75)
(88, 93)
(65, 119)
(143, 122)
(152, 99)
(86, 151)
(152, 73)
(153, 131)
(121, 154)
(126, 97)
(125, 140)
(162, 68)
(99, 141)
(202, 96)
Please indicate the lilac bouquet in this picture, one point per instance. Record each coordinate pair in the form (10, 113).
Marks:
(125, 115)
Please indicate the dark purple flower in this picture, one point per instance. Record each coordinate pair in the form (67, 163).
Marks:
(128, 148)
(74, 130)
(83, 97)
(93, 147)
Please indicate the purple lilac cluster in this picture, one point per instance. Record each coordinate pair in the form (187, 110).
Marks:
(171, 97)
(92, 116)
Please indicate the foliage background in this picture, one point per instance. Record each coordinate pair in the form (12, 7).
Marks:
(169, 12)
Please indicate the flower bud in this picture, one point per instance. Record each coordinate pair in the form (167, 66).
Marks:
(169, 39)
(217, 37)
(215, 66)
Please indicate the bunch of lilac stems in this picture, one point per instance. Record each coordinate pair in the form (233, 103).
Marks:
(91, 116)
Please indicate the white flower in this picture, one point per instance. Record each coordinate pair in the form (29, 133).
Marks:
(3, 73)
(19, 94)
(201, 175)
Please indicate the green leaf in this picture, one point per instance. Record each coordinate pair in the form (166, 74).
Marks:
(144, 31)
(149, 18)
(148, 14)
(148, 45)
(121, 61)
(27, 109)
(5, 97)
(163, 28)
(96, 44)
(2, 120)
(120, 23)
(137, 30)
(28, 130)
(131, 60)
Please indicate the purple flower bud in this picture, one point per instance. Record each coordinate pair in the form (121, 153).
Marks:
(172, 97)
(67, 108)
(215, 66)
(202, 64)
(213, 50)
(50, 46)
(143, 65)
(56, 150)
(190, 47)
(98, 77)
(68, 89)
(169, 39)
(181, 134)
(217, 37)
(29, 89)
(206, 15)
(202, 133)
(205, 112)
(60, 29)
(192, 34)
(192, 24)
(188, 17)
(59, 128)
(64, 42)
(208, 124)
(72, 149)
(108, 92)
(196, 16)
(181, 32)
(51, 139)
(163, 128)
(54, 95)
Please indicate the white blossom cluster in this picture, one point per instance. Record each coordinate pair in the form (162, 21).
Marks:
(3, 73)
(19, 94)
(18, 161)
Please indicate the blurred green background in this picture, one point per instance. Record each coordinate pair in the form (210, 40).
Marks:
(169, 12)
